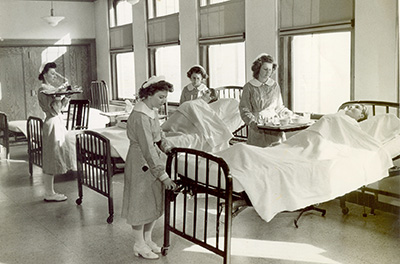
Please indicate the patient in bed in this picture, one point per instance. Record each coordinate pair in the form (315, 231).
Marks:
(203, 124)
(332, 157)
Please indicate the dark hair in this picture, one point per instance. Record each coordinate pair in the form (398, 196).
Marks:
(213, 95)
(260, 61)
(155, 87)
(47, 67)
(197, 69)
(365, 112)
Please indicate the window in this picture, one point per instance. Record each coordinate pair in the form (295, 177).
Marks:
(124, 82)
(168, 63)
(120, 13)
(321, 71)
(211, 2)
(226, 64)
(157, 8)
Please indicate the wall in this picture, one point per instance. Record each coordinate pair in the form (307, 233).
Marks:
(102, 41)
(376, 55)
(261, 31)
(23, 20)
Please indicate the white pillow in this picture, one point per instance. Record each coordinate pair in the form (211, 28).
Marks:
(383, 127)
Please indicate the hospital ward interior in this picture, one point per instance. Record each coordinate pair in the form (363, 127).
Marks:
(199, 131)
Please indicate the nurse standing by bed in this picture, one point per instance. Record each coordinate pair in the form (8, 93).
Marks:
(262, 99)
(145, 176)
(196, 88)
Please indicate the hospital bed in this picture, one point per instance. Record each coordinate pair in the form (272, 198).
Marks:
(368, 195)
(201, 210)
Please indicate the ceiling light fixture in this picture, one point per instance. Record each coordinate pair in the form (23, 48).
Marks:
(52, 20)
(132, 2)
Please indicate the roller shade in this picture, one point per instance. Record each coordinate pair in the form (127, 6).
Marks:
(163, 30)
(121, 38)
(222, 20)
(311, 13)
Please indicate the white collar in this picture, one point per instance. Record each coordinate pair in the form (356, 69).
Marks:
(143, 108)
(202, 87)
(257, 83)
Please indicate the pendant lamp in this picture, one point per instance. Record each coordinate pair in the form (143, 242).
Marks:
(52, 20)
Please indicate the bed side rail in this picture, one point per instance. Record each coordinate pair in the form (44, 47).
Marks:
(205, 183)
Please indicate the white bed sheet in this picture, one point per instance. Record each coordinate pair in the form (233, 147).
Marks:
(330, 159)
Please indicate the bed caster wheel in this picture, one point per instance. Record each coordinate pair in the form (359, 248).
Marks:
(78, 201)
(364, 215)
(345, 211)
(164, 251)
(110, 219)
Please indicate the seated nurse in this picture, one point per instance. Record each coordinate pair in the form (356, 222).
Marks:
(262, 99)
(196, 88)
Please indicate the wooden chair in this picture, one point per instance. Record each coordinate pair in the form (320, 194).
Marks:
(95, 167)
(99, 96)
(35, 142)
(4, 136)
(78, 114)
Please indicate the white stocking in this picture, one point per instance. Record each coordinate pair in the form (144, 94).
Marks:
(48, 183)
(148, 229)
(138, 235)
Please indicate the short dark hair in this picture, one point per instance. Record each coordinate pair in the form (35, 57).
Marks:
(197, 69)
(260, 61)
(155, 87)
(47, 67)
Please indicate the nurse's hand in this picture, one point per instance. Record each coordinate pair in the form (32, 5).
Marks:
(169, 184)
(253, 125)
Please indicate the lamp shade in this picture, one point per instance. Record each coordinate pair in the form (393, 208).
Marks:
(132, 2)
(53, 20)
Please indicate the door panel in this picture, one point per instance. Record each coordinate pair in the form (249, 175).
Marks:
(12, 93)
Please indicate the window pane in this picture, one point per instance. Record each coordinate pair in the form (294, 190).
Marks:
(204, 2)
(168, 63)
(125, 75)
(163, 7)
(227, 64)
(124, 13)
(321, 69)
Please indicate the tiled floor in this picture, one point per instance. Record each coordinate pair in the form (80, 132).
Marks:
(32, 231)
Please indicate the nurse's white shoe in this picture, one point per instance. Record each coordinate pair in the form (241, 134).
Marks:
(56, 197)
(153, 246)
(144, 251)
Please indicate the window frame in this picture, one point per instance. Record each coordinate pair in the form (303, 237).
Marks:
(285, 39)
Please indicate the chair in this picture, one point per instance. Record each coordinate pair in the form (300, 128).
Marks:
(99, 96)
(78, 114)
(95, 167)
(35, 142)
(4, 136)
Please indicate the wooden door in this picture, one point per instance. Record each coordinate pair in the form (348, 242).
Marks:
(19, 71)
(12, 90)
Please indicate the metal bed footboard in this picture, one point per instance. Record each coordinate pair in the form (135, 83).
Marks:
(95, 167)
(362, 196)
(204, 201)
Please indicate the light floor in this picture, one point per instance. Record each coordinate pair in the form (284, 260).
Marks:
(32, 231)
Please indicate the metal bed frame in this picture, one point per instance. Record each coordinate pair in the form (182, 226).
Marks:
(202, 198)
(95, 167)
(35, 142)
(367, 196)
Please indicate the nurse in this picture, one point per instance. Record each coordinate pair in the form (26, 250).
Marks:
(145, 176)
(262, 99)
